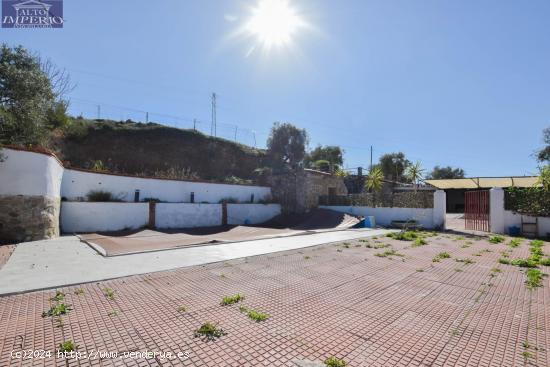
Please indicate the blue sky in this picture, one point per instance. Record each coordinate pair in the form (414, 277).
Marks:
(462, 83)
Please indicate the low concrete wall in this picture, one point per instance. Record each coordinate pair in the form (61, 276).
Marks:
(188, 215)
(251, 213)
(102, 217)
(77, 184)
(514, 219)
(384, 216)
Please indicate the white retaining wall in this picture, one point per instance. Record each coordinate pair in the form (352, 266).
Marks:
(384, 216)
(514, 219)
(102, 217)
(30, 174)
(170, 215)
(76, 184)
(429, 218)
(500, 219)
(251, 213)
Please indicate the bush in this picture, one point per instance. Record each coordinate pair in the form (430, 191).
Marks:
(76, 129)
(533, 201)
(101, 196)
(229, 200)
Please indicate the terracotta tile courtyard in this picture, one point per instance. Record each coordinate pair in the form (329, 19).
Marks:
(400, 308)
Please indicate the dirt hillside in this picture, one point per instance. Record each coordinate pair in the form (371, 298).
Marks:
(155, 150)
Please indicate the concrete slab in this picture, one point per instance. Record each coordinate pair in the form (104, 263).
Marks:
(66, 260)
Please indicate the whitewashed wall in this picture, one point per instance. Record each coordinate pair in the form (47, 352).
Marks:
(76, 184)
(384, 216)
(251, 213)
(428, 218)
(514, 219)
(102, 217)
(171, 215)
(30, 174)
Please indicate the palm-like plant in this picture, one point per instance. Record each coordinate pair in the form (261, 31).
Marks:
(373, 182)
(415, 173)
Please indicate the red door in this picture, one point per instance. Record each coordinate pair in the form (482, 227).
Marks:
(476, 210)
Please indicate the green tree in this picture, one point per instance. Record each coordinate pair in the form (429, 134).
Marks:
(286, 146)
(332, 154)
(543, 155)
(30, 90)
(374, 181)
(440, 173)
(544, 178)
(56, 116)
(415, 173)
(393, 166)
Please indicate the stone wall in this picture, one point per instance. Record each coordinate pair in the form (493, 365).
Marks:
(299, 192)
(398, 199)
(317, 184)
(28, 218)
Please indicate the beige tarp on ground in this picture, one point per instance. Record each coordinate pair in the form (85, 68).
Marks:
(149, 240)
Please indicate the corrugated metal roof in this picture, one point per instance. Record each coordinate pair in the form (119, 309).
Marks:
(484, 182)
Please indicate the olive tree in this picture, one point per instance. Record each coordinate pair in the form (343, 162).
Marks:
(31, 96)
(286, 146)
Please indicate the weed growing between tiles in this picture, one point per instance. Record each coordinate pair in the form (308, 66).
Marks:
(209, 331)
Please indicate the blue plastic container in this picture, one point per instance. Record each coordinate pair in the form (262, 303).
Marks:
(514, 231)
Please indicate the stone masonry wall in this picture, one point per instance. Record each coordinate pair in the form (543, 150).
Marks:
(317, 184)
(299, 192)
(28, 218)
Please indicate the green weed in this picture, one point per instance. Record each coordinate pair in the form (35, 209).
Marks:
(404, 235)
(334, 362)
(514, 242)
(441, 256)
(496, 239)
(67, 347)
(57, 310)
(254, 315)
(229, 300)
(534, 278)
(389, 253)
(59, 296)
(109, 293)
(465, 261)
(419, 242)
(209, 331)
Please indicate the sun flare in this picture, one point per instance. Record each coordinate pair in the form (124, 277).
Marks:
(274, 23)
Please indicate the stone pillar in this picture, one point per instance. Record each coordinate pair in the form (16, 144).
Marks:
(440, 209)
(496, 210)
(28, 218)
(30, 195)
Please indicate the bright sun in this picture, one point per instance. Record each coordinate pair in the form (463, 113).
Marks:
(274, 23)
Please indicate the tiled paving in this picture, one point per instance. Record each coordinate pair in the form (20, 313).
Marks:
(328, 300)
